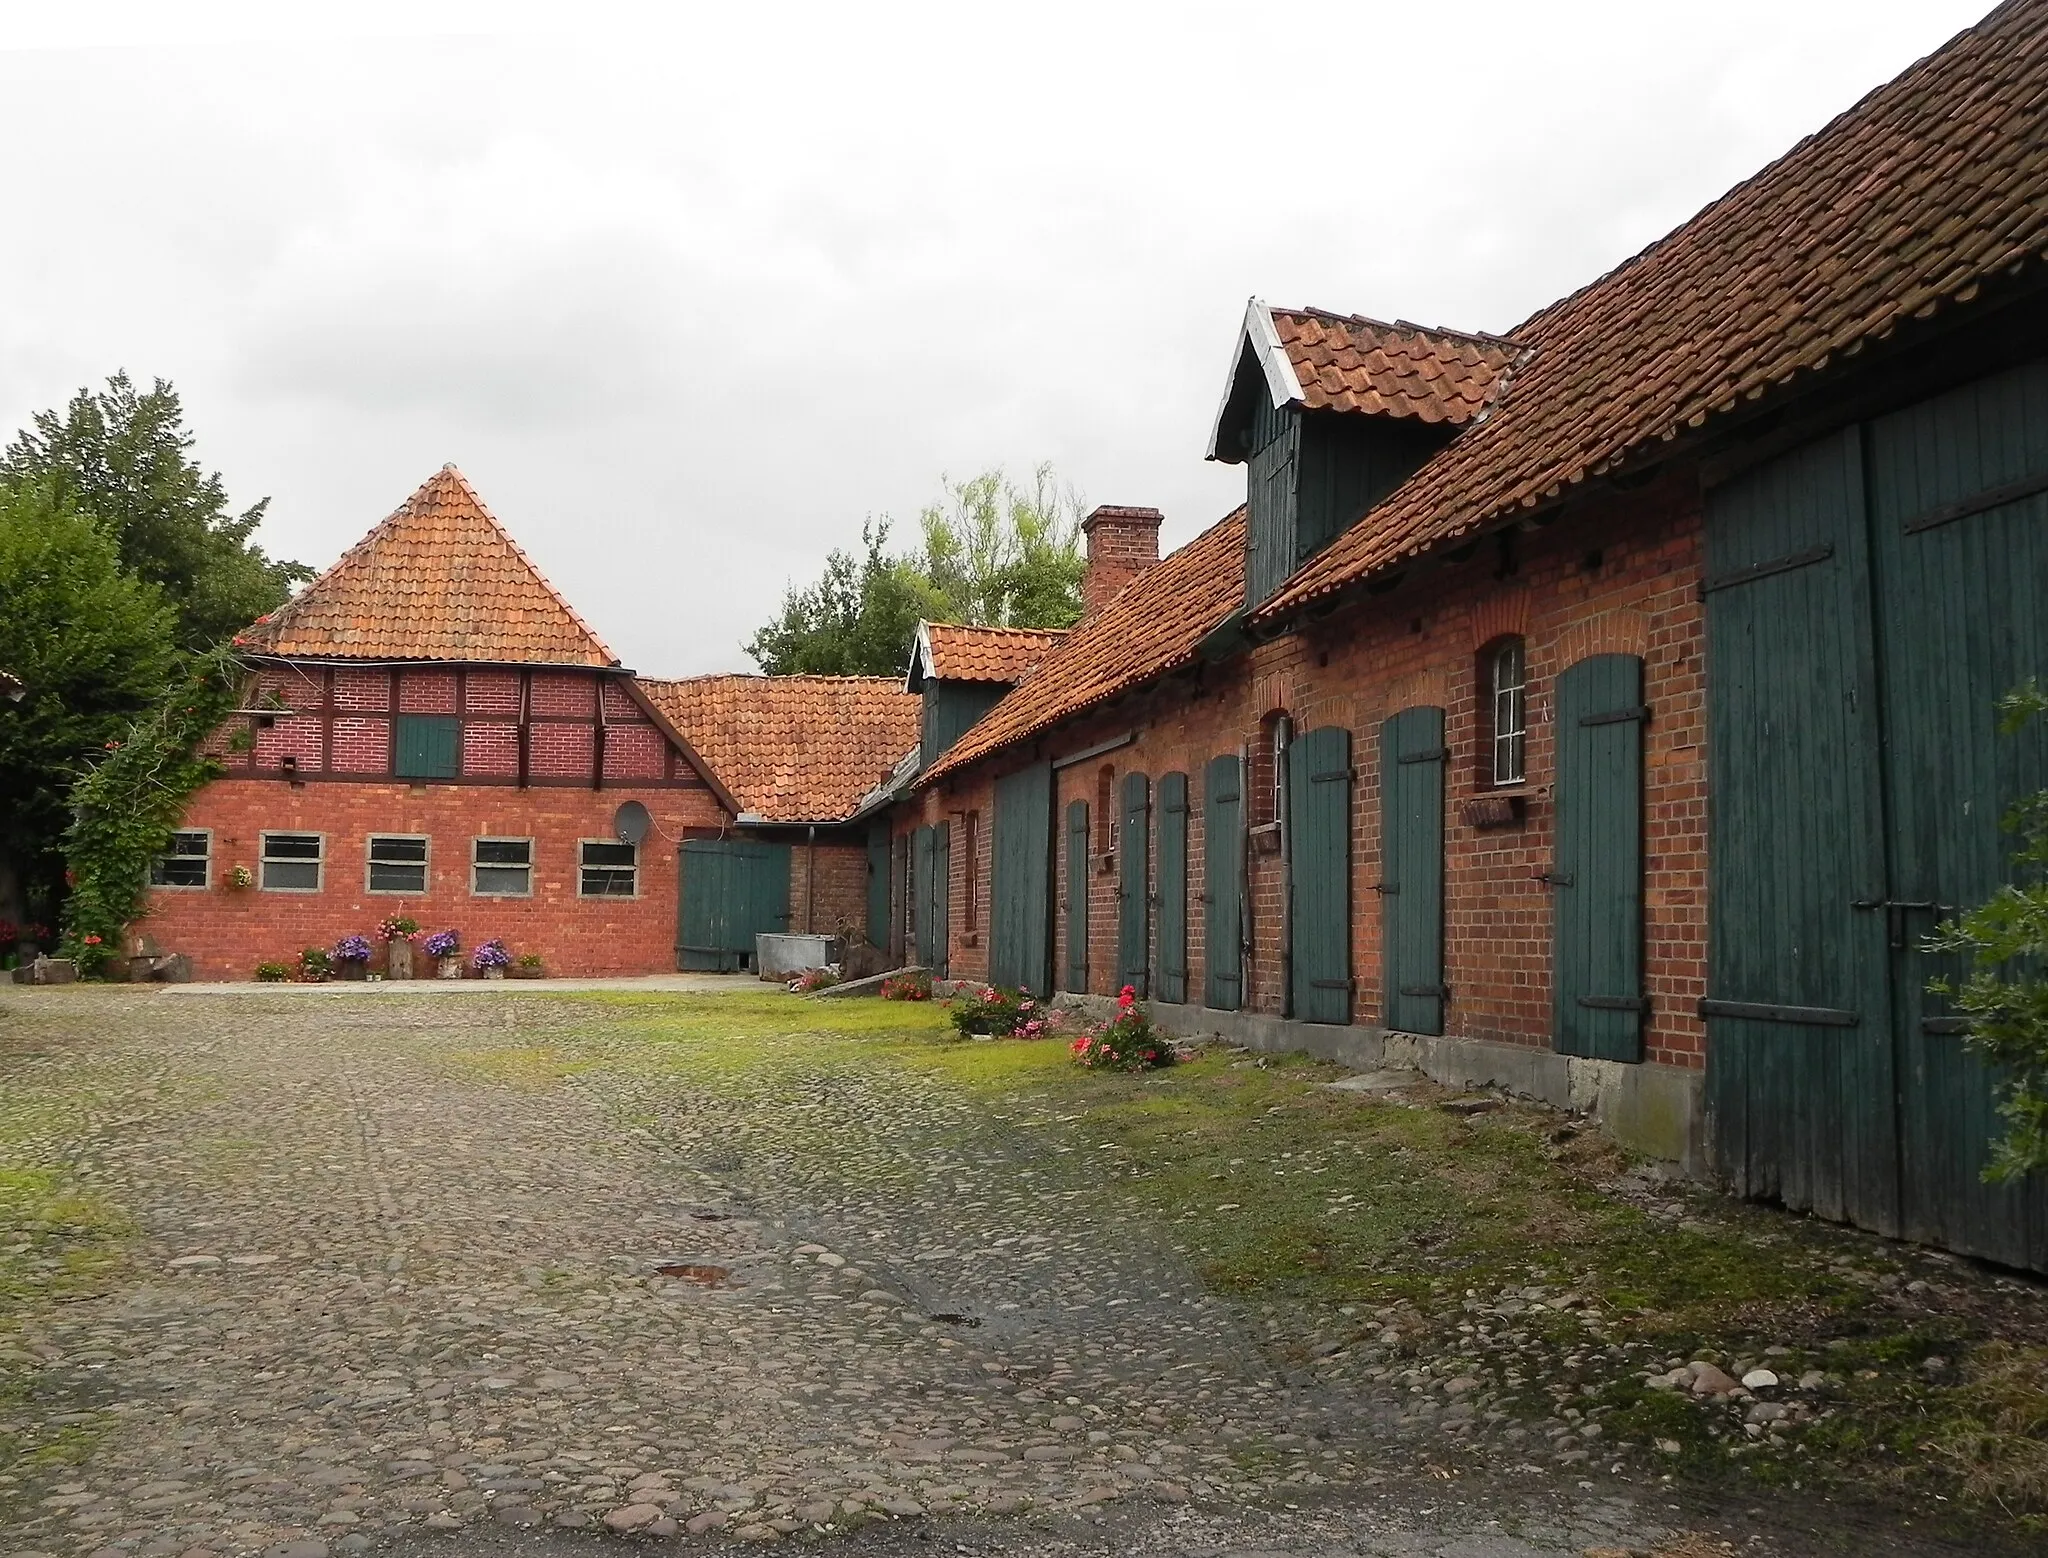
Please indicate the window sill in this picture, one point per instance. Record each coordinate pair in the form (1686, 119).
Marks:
(1507, 807)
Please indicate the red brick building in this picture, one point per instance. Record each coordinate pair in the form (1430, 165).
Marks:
(1530, 722)
(432, 731)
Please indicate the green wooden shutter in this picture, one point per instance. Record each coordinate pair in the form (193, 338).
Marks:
(1134, 887)
(1411, 883)
(921, 891)
(1319, 873)
(940, 959)
(1223, 884)
(878, 884)
(1020, 881)
(1596, 876)
(429, 746)
(1172, 867)
(1077, 896)
(1271, 539)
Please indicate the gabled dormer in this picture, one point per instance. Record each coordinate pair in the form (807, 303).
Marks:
(960, 672)
(1331, 412)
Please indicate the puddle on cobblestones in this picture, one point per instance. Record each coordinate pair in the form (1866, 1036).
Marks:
(702, 1276)
(707, 1215)
(955, 1317)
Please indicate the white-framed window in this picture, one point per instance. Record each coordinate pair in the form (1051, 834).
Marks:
(291, 862)
(501, 868)
(608, 869)
(397, 864)
(1510, 680)
(187, 863)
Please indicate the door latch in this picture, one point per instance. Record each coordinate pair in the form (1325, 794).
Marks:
(1554, 878)
(1895, 912)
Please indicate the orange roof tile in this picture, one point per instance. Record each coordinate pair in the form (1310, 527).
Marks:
(1909, 202)
(1346, 362)
(793, 748)
(958, 652)
(439, 580)
(1153, 626)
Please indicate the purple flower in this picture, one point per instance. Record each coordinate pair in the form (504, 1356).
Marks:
(442, 944)
(491, 954)
(352, 949)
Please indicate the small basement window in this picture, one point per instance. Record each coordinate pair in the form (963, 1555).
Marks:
(291, 862)
(501, 868)
(398, 863)
(610, 869)
(185, 863)
(1510, 708)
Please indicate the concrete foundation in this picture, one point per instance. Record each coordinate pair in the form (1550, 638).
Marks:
(1655, 1110)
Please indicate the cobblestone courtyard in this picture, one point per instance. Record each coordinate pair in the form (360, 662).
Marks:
(401, 1269)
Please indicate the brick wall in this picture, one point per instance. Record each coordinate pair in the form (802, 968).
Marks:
(1616, 574)
(840, 874)
(228, 933)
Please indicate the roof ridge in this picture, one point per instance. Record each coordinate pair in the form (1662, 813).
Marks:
(1481, 337)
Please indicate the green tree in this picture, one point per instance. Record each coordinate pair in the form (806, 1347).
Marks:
(95, 646)
(2005, 996)
(122, 456)
(990, 552)
(858, 619)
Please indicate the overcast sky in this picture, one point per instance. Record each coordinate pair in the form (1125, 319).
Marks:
(689, 295)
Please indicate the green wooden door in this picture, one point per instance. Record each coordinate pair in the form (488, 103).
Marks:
(1077, 896)
(1171, 866)
(928, 916)
(1800, 1082)
(1020, 881)
(1596, 873)
(732, 890)
(1958, 502)
(1222, 884)
(878, 884)
(1319, 873)
(1411, 887)
(1134, 887)
(938, 917)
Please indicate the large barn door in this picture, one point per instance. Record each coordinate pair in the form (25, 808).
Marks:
(1077, 896)
(931, 871)
(1222, 884)
(1134, 888)
(1020, 881)
(1412, 871)
(1800, 1081)
(1596, 873)
(1171, 867)
(1319, 873)
(1958, 498)
(732, 890)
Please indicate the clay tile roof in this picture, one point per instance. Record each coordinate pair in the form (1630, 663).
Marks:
(1909, 202)
(793, 748)
(439, 580)
(953, 651)
(1153, 626)
(1346, 362)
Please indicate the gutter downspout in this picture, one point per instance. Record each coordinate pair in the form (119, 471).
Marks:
(811, 880)
(1283, 747)
(1245, 940)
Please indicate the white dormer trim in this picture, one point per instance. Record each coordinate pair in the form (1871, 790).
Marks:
(920, 665)
(1260, 333)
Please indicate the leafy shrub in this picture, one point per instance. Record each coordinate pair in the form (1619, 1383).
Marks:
(529, 960)
(1004, 1013)
(442, 944)
(491, 954)
(1127, 1042)
(314, 966)
(2005, 996)
(273, 973)
(915, 986)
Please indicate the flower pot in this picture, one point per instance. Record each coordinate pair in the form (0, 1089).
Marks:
(398, 960)
(494, 973)
(524, 971)
(450, 967)
(351, 968)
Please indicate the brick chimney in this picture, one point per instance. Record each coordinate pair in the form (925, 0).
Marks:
(1122, 543)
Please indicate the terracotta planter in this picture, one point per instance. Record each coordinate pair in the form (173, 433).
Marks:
(494, 973)
(398, 960)
(518, 972)
(449, 967)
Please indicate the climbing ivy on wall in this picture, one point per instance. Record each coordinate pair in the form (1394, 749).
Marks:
(126, 806)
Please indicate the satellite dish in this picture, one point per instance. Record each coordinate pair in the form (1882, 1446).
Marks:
(631, 822)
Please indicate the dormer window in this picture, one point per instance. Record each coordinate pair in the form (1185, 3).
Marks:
(1329, 413)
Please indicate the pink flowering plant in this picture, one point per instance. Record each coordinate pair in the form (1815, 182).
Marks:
(1013, 1014)
(1127, 1042)
(916, 986)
